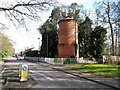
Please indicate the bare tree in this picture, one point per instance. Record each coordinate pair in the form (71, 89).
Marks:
(21, 11)
(111, 27)
(106, 14)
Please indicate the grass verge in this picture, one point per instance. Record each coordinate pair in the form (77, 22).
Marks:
(98, 69)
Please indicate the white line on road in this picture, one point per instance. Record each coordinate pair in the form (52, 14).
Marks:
(3, 71)
(40, 71)
(47, 77)
(42, 75)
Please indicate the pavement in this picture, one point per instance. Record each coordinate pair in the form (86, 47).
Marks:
(13, 81)
(9, 76)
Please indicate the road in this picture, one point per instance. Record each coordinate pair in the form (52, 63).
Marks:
(44, 76)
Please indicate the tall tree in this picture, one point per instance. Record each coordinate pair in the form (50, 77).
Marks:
(106, 12)
(97, 42)
(116, 9)
(84, 30)
(74, 11)
(55, 15)
(50, 34)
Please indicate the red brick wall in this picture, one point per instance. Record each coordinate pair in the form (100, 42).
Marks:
(66, 37)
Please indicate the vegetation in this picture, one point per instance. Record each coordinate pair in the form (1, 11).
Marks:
(99, 69)
(6, 46)
(4, 53)
(49, 40)
(84, 30)
(97, 42)
(66, 61)
(108, 13)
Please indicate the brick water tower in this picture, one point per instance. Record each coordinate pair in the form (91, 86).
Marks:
(68, 38)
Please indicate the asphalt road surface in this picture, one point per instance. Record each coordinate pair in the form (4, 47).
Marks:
(44, 76)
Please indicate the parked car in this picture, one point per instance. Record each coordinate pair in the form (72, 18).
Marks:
(20, 57)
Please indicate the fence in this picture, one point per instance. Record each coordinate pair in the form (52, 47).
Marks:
(31, 58)
(59, 60)
(106, 59)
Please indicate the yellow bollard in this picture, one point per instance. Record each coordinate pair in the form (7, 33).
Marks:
(24, 73)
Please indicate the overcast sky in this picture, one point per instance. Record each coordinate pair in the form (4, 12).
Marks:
(23, 38)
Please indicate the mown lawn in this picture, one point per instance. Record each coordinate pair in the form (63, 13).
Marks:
(99, 69)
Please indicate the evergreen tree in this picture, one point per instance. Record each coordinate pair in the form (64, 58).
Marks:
(84, 30)
(97, 42)
(50, 35)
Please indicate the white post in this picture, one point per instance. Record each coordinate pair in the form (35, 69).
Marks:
(20, 69)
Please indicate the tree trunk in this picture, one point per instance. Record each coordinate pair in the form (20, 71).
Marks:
(116, 43)
(119, 50)
(111, 28)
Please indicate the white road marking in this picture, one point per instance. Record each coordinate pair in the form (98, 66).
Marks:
(47, 77)
(41, 71)
(3, 71)
(42, 75)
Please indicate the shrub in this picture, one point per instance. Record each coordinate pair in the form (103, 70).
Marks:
(66, 61)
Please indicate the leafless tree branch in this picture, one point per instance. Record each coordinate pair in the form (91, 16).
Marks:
(21, 5)
(26, 10)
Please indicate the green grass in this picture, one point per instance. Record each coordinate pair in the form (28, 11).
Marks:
(57, 63)
(99, 69)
